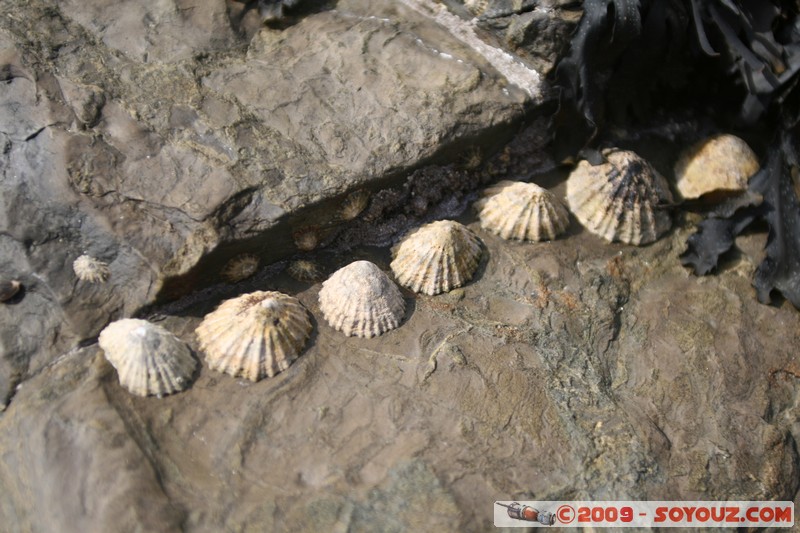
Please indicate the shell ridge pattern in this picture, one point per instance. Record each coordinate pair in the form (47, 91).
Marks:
(247, 336)
(620, 200)
(359, 299)
(149, 359)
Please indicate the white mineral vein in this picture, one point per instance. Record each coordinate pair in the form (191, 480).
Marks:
(512, 68)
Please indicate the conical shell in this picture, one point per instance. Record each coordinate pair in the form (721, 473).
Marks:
(437, 257)
(620, 199)
(522, 211)
(87, 268)
(240, 268)
(255, 335)
(360, 300)
(9, 289)
(722, 163)
(149, 359)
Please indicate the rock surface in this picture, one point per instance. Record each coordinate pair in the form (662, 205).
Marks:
(165, 138)
(537, 30)
(572, 369)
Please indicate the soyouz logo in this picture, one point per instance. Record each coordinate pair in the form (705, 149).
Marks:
(683, 514)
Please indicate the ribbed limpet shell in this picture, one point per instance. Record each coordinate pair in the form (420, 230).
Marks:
(354, 204)
(360, 300)
(437, 257)
(620, 199)
(87, 268)
(149, 359)
(240, 268)
(522, 211)
(722, 163)
(254, 335)
(304, 270)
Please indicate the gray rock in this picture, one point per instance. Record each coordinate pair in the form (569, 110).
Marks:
(165, 138)
(537, 30)
(77, 468)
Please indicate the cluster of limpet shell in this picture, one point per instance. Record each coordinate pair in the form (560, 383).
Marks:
(620, 200)
(150, 361)
(260, 334)
(255, 335)
(522, 211)
(437, 257)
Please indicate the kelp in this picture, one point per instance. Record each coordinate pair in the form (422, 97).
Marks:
(626, 54)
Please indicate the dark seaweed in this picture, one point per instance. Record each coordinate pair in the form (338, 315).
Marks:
(734, 59)
(780, 270)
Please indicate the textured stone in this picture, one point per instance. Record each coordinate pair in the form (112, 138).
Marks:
(167, 137)
(570, 366)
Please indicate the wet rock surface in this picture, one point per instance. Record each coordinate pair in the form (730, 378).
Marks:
(572, 369)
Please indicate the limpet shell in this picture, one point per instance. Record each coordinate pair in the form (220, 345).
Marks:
(437, 257)
(149, 359)
(240, 268)
(87, 268)
(360, 300)
(307, 238)
(254, 335)
(522, 211)
(9, 289)
(304, 270)
(620, 199)
(722, 163)
(354, 204)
